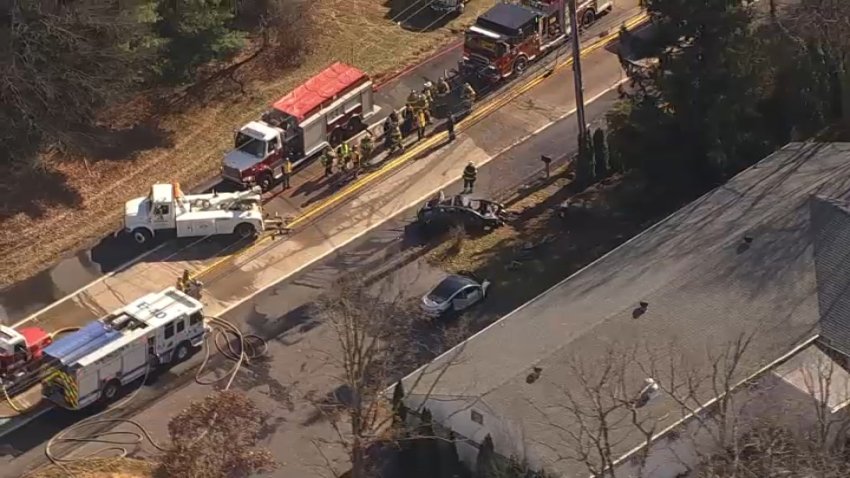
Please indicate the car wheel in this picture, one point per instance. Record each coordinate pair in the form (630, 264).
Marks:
(519, 65)
(245, 231)
(142, 236)
(181, 353)
(588, 18)
(110, 391)
(265, 182)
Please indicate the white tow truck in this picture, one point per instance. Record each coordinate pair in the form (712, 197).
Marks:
(167, 209)
(93, 363)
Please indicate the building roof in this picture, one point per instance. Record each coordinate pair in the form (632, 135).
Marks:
(705, 288)
(831, 223)
(315, 92)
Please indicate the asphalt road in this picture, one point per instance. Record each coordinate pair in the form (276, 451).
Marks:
(281, 315)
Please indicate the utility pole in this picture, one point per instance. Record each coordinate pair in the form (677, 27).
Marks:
(582, 126)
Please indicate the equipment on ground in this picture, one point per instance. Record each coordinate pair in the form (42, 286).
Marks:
(506, 39)
(328, 109)
(167, 209)
(20, 353)
(93, 363)
(449, 6)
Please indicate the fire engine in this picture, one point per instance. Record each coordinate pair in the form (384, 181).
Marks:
(326, 110)
(20, 353)
(507, 38)
(166, 208)
(93, 363)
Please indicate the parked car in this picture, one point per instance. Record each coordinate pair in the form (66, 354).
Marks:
(441, 213)
(455, 293)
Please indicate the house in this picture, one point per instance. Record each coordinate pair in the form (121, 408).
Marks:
(751, 278)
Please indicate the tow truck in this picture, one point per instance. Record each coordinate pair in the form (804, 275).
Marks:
(506, 39)
(329, 108)
(167, 209)
(92, 364)
(20, 354)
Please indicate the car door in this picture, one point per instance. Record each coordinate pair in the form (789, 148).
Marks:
(461, 300)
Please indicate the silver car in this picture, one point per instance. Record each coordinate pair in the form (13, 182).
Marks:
(455, 293)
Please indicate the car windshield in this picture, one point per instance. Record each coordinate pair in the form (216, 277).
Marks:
(252, 146)
(445, 290)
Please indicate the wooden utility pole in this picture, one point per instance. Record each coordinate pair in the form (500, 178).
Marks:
(579, 86)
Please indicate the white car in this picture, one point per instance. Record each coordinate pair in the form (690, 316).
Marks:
(454, 293)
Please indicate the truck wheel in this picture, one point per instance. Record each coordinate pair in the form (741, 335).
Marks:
(181, 353)
(588, 18)
(336, 137)
(245, 230)
(110, 391)
(142, 235)
(265, 182)
(519, 65)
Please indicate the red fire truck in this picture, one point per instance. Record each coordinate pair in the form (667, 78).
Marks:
(508, 37)
(326, 110)
(20, 352)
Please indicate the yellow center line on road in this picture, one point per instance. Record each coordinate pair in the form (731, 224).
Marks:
(474, 117)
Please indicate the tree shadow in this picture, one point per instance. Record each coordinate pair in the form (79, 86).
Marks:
(34, 192)
(103, 143)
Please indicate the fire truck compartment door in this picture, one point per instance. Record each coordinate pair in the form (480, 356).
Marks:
(315, 134)
(187, 227)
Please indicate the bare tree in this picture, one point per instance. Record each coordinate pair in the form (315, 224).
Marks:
(217, 436)
(378, 342)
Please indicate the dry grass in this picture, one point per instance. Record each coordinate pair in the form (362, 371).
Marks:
(354, 31)
(100, 468)
(538, 249)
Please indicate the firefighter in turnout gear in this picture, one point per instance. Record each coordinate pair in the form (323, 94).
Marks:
(427, 100)
(390, 123)
(412, 99)
(470, 173)
(421, 122)
(328, 161)
(443, 87)
(396, 140)
(366, 147)
(467, 96)
(343, 153)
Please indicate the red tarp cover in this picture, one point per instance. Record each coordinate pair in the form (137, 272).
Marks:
(323, 87)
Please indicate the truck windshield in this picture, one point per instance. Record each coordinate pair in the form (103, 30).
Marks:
(252, 146)
(483, 46)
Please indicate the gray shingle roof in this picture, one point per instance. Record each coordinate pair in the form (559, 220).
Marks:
(831, 230)
(704, 290)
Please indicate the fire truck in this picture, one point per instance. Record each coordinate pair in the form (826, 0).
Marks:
(93, 363)
(20, 353)
(507, 38)
(167, 209)
(326, 110)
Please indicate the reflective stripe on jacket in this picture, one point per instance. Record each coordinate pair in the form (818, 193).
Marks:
(469, 173)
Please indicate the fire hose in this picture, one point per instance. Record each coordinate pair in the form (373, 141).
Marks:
(228, 340)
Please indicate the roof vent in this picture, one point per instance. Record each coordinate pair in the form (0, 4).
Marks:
(534, 375)
(744, 246)
(640, 310)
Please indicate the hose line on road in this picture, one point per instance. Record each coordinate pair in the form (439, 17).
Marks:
(228, 340)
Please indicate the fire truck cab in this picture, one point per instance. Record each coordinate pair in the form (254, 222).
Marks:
(508, 37)
(326, 110)
(18, 348)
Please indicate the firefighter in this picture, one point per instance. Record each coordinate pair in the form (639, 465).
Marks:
(328, 161)
(470, 173)
(183, 281)
(450, 127)
(366, 147)
(412, 99)
(443, 87)
(287, 172)
(390, 123)
(467, 95)
(396, 140)
(343, 154)
(426, 100)
(356, 160)
(429, 91)
(421, 122)
(408, 121)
